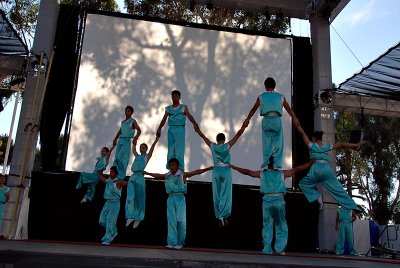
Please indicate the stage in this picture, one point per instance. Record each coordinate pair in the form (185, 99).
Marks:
(31, 253)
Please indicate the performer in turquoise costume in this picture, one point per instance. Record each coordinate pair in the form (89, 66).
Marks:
(175, 186)
(344, 225)
(136, 192)
(272, 186)
(110, 211)
(222, 174)
(91, 178)
(271, 104)
(4, 197)
(176, 115)
(321, 171)
(124, 136)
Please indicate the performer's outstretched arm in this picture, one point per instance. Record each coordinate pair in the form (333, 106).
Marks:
(121, 183)
(253, 110)
(191, 118)
(238, 134)
(116, 137)
(291, 172)
(289, 109)
(101, 176)
(157, 176)
(150, 154)
(162, 123)
(248, 172)
(134, 144)
(138, 130)
(187, 175)
(206, 140)
(348, 145)
(301, 131)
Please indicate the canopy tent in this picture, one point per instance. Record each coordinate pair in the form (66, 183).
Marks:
(12, 49)
(375, 89)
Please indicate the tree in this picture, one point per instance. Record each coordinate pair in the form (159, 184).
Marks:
(3, 148)
(106, 5)
(375, 170)
(176, 10)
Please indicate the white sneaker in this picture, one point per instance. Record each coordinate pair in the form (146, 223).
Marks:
(84, 200)
(169, 246)
(178, 247)
(106, 243)
(128, 222)
(136, 224)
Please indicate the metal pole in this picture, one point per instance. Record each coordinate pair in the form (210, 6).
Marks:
(10, 134)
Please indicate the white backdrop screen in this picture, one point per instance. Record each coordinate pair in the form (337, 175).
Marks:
(138, 63)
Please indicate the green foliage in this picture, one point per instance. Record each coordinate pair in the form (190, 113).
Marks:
(174, 10)
(3, 147)
(106, 5)
(375, 170)
(37, 164)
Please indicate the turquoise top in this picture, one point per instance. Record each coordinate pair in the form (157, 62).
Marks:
(220, 153)
(139, 163)
(3, 191)
(320, 153)
(101, 164)
(272, 181)
(126, 128)
(174, 183)
(176, 116)
(271, 101)
(345, 214)
(111, 191)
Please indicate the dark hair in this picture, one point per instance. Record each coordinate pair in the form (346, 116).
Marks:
(145, 145)
(115, 169)
(221, 137)
(271, 162)
(106, 148)
(269, 83)
(173, 160)
(177, 92)
(318, 135)
(130, 108)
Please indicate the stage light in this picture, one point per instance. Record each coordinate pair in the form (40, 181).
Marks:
(326, 96)
(209, 6)
(192, 5)
(267, 14)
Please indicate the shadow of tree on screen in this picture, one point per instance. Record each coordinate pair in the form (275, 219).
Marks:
(139, 63)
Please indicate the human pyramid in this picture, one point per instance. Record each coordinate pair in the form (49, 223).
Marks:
(271, 175)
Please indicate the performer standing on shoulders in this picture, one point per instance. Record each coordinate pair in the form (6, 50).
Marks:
(123, 141)
(136, 193)
(271, 104)
(272, 186)
(176, 115)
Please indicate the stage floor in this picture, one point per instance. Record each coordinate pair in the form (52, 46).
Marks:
(65, 254)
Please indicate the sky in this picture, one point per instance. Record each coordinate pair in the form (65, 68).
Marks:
(369, 28)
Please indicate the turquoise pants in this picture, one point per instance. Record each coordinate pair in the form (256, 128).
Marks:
(136, 198)
(176, 145)
(222, 191)
(176, 216)
(122, 155)
(108, 219)
(323, 173)
(274, 215)
(91, 179)
(345, 234)
(272, 141)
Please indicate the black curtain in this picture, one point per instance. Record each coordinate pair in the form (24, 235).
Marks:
(60, 88)
(303, 105)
